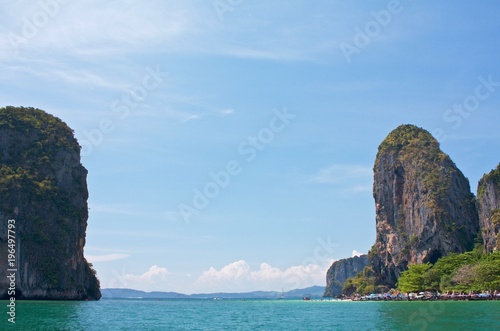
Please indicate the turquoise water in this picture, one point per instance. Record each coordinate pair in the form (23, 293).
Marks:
(136, 314)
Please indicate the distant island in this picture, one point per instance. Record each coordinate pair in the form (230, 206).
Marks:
(432, 233)
(314, 292)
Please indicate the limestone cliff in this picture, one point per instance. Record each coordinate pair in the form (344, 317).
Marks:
(43, 188)
(341, 270)
(424, 205)
(488, 198)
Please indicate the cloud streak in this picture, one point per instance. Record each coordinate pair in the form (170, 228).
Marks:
(341, 173)
(165, 26)
(112, 28)
(106, 257)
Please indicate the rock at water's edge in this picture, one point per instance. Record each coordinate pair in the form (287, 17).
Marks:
(43, 188)
(340, 270)
(424, 205)
(488, 203)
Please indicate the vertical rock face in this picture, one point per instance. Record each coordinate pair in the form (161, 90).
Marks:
(43, 188)
(341, 270)
(424, 206)
(488, 198)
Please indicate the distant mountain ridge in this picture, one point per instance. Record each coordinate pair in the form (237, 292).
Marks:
(121, 293)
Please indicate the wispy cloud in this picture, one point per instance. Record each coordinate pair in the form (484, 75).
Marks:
(106, 257)
(85, 77)
(169, 27)
(226, 112)
(356, 253)
(351, 179)
(276, 54)
(54, 72)
(341, 173)
(134, 211)
(117, 209)
(112, 28)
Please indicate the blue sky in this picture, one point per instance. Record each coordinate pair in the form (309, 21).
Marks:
(230, 144)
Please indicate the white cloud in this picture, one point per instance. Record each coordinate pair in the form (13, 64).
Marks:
(226, 112)
(105, 258)
(154, 274)
(239, 276)
(233, 271)
(356, 253)
(153, 279)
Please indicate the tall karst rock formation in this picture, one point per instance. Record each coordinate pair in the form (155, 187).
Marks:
(488, 202)
(43, 189)
(424, 205)
(340, 270)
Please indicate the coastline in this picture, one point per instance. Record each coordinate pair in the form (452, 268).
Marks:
(422, 296)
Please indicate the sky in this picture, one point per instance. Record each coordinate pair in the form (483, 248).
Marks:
(230, 143)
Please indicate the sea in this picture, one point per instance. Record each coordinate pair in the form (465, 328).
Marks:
(226, 314)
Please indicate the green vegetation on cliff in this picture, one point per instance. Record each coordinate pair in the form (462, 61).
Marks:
(424, 211)
(493, 176)
(43, 187)
(23, 166)
(470, 271)
(424, 205)
(409, 136)
(495, 216)
(488, 205)
(29, 169)
(340, 271)
(363, 283)
(52, 133)
(418, 148)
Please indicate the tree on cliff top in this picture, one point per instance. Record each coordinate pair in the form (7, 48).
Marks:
(409, 136)
(493, 176)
